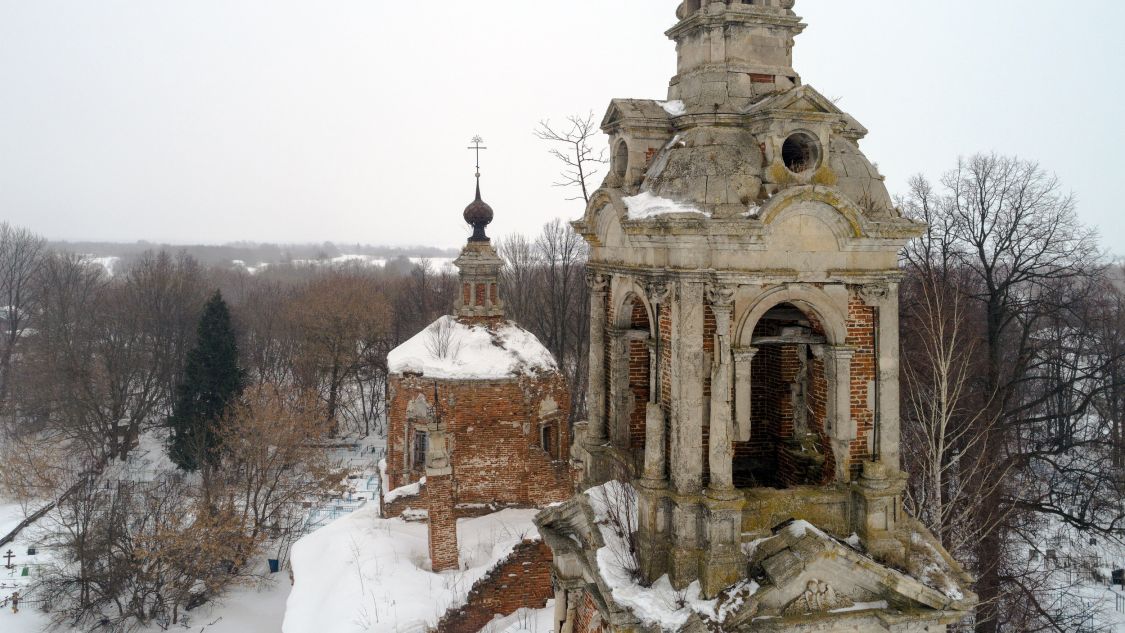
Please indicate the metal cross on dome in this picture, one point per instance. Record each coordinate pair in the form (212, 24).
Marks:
(477, 147)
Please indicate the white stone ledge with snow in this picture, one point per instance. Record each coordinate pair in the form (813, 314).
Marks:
(452, 350)
(646, 205)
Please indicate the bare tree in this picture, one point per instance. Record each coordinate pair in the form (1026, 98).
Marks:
(21, 255)
(571, 146)
(1005, 236)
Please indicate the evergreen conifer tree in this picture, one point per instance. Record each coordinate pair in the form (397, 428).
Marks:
(212, 381)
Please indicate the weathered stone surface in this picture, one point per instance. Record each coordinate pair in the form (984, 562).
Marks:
(776, 398)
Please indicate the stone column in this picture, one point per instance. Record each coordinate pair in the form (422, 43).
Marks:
(686, 460)
(743, 391)
(838, 366)
(723, 563)
(617, 422)
(885, 298)
(686, 468)
(652, 498)
(596, 434)
(655, 468)
(721, 446)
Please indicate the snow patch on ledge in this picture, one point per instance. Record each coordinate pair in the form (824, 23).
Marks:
(674, 108)
(649, 205)
(409, 490)
(658, 605)
(451, 350)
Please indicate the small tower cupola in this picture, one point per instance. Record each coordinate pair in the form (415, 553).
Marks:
(479, 264)
(732, 51)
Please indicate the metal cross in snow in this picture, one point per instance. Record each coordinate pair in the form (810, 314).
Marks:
(9, 556)
(477, 147)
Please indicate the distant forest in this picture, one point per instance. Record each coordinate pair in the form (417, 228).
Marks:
(252, 253)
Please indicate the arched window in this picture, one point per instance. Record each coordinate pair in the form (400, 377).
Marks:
(621, 159)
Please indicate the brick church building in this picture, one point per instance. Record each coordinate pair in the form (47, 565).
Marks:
(477, 409)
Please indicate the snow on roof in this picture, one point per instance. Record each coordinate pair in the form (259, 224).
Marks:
(363, 574)
(674, 108)
(649, 205)
(449, 349)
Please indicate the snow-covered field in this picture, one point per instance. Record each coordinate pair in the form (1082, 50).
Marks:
(363, 574)
(438, 264)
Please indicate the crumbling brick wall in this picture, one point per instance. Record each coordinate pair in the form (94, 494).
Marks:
(523, 580)
(494, 430)
(862, 325)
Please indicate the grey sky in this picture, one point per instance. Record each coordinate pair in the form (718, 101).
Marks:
(347, 120)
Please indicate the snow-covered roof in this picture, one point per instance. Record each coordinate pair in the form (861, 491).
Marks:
(449, 349)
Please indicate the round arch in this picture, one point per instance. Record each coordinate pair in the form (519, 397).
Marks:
(811, 300)
(623, 313)
(785, 200)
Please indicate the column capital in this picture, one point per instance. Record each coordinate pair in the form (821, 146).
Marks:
(745, 354)
(720, 296)
(597, 282)
(659, 291)
(875, 293)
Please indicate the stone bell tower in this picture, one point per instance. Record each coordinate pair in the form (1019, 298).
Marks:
(744, 348)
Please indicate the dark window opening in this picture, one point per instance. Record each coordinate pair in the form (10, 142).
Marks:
(421, 447)
(546, 440)
(801, 152)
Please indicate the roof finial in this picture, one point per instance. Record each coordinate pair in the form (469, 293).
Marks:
(478, 214)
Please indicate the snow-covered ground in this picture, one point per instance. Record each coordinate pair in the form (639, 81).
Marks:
(438, 264)
(247, 609)
(363, 574)
(525, 621)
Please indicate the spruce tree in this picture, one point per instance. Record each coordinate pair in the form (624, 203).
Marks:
(212, 381)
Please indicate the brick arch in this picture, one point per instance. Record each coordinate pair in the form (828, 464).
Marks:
(623, 312)
(811, 300)
(633, 312)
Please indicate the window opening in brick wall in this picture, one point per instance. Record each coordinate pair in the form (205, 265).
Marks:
(421, 447)
(546, 440)
(788, 388)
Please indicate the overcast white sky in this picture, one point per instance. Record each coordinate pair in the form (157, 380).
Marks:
(276, 120)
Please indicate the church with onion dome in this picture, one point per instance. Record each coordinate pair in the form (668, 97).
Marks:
(477, 409)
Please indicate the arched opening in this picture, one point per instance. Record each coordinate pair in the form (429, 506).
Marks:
(789, 390)
(621, 159)
(631, 359)
(800, 152)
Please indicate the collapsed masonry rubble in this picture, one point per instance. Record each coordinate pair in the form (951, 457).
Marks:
(744, 360)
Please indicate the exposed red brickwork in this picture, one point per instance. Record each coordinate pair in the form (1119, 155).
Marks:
(444, 555)
(769, 457)
(639, 364)
(587, 617)
(523, 580)
(862, 325)
(404, 503)
(494, 435)
(466, 294)
(480, 294)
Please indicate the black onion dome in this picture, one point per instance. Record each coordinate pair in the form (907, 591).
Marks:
(479, 215)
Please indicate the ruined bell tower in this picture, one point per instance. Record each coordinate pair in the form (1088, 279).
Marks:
(744, 350)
